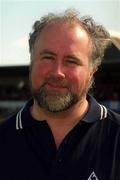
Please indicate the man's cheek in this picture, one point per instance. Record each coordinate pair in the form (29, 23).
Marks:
(38, 72)
(36, 79)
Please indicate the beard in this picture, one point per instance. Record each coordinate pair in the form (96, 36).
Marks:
(54, 101)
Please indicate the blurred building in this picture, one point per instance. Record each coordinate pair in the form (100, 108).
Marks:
(107, 84)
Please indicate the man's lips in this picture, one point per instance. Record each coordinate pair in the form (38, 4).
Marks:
(55, 86)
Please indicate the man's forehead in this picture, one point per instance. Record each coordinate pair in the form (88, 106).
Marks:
(65, 29)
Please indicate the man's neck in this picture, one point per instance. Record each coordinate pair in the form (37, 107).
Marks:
(61, 123)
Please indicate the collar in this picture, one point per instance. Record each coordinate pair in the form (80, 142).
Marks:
(95, 112)
(24, 118)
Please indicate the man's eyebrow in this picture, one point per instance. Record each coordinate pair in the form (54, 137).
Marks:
(46, 51)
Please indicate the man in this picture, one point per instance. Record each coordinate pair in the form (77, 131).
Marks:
(62, 132)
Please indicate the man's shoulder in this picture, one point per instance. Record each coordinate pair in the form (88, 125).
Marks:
(8, 133)
(8, 123)
(114, 117)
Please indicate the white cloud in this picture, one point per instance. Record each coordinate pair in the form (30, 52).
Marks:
(22, 43)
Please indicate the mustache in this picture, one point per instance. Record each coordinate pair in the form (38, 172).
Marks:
(56, 82)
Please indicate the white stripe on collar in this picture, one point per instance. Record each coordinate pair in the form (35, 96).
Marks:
(103, 114)
(19, 120)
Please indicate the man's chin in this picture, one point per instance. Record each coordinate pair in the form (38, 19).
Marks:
(54, 101)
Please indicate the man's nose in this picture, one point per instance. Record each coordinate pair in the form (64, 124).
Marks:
(58, 71)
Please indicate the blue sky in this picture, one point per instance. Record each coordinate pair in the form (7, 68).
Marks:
(18, 16)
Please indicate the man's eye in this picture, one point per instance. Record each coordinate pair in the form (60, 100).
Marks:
(72, 62)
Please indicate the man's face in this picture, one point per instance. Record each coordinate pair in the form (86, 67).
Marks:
(60, 72)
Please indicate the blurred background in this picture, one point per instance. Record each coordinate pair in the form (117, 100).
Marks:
(16, 20)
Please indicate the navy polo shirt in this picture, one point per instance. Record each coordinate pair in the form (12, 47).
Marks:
(90, 151)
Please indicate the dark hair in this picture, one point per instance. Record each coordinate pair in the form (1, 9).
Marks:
(97, 33)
